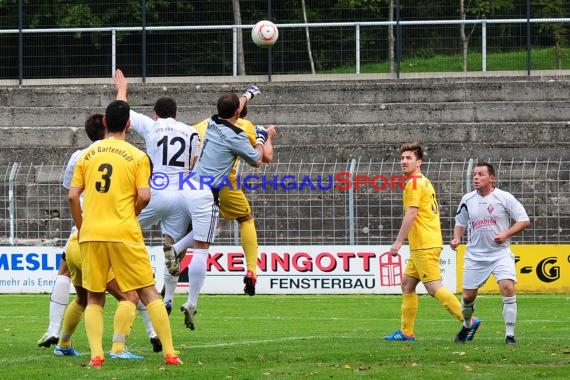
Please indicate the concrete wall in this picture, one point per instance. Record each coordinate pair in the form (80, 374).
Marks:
(456, 118)
(332, 121)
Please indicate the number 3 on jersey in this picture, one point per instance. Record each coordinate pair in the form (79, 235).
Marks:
(105, 183)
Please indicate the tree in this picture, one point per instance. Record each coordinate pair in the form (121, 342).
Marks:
(240, 53)
(374, 9)
(391, 39)
(553, 9)
(478, 9)
(308, 38)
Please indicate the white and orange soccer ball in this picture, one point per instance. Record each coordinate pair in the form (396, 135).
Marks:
(264, 33)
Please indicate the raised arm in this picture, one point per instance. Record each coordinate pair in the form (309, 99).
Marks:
(121, 85)
(267, 156)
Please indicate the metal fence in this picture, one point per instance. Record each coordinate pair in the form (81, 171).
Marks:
(311, 202)
(88, 39)
(359, 43)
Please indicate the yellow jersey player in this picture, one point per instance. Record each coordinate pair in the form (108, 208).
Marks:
(114, 175)
(422, 227)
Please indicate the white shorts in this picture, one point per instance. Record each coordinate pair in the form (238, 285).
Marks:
(477, 272)
(204, 211)
(168, 208)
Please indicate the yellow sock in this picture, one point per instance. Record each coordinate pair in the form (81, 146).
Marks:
(249, 244)
(71, 318)
(94, 330)
(124, 317)
(161, 323)
(449, 302)
(410, 307)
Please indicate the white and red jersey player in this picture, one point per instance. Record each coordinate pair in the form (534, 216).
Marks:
(486, 216)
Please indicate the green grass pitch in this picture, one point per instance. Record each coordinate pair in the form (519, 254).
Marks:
(305, 337)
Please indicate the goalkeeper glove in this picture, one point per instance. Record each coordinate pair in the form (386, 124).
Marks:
(260, 135)
(251, 91)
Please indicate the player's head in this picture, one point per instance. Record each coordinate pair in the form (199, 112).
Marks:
(165, 107)
(483, 176)
(117, 116)
(411, 157)
(228, 105)
(94, 127)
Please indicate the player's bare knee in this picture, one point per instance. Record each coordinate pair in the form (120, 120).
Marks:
(148, 294)
(469, 295)
(507, 288)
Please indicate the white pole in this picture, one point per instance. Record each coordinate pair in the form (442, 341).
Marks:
(484, 46)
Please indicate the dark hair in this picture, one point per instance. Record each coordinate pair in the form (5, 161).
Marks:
(94, 127)
(165, 107)
(117, 115)
(415, 147)
(228, 104)
(489, 167)
(243, 112)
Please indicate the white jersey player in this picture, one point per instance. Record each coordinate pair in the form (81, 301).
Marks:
(60, 291)
(487, 214)
(173, 148)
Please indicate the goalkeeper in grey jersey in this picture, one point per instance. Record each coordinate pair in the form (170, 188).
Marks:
(223, 144)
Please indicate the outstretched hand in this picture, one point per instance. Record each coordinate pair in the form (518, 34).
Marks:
(271, 131)
(261, 135)
(251, 91)
(121, 85)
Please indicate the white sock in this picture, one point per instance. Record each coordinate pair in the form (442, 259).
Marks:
(170, 283)
(57, 303)
(196, 275)
(467, 310)
(510, 314)
(183, 244)
(146, 319)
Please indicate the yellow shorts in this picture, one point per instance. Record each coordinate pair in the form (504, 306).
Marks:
(424, 264)
(233, 203)
(130, 263)
(73, 259)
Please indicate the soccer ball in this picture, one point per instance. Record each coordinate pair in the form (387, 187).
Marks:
(264, 33)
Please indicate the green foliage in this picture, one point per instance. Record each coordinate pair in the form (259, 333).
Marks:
(372, 6)
(482, 9)
(542, 59)
(331, 47)
(552, 9)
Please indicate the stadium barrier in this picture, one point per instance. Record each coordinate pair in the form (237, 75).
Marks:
(540, 269)
(320, 269)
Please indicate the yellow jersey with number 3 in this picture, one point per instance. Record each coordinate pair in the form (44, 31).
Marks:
(110, 172)
(426, 230)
